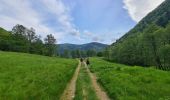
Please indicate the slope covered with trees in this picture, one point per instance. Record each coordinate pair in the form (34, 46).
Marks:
(22, 39)
(148, 43)
(88, 46)
(83, 50)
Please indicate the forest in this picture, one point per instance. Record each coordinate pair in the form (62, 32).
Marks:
(22, 39)
(80, 53)
(147, 44)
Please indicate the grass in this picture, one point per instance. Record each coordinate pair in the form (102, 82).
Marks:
(27, 77)
(84, 88)
(131, 82)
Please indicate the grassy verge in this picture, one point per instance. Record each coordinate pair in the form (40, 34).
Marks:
(26, 76)
(84, 89)
(131, 82)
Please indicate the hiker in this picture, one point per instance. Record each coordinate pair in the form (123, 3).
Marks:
(87, 62)
(81, 60)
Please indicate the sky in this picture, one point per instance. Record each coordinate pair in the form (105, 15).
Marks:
(76, 21)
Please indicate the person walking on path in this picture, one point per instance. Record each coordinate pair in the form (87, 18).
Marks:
(81, 60)
(87, 62)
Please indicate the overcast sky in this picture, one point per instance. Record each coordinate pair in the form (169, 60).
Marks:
(76, 21)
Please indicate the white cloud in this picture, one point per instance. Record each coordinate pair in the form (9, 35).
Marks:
(97, 39)
(86, 32)
(63, 16)
(14, 12)
(19, 12)
(138, 9)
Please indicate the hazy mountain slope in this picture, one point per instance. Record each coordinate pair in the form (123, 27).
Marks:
(94, 45)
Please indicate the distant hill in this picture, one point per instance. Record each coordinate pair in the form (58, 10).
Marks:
(93, 45)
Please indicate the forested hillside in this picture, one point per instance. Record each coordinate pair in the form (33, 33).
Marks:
(88, 46)
(83, 50)
(22, 39)
(160, 16)
(148, 43)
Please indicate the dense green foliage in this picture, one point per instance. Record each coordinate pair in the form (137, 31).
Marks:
(123, 82)
(84, 88)
(27, 77)
(80, 53)
(148, 44)
(160, 16)
(22, 39)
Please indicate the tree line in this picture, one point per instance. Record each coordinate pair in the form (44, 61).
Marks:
(22, 39)
(80, 53)
(150, 47)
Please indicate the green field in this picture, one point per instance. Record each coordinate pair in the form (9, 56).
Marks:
(123, 82)
(26, 76)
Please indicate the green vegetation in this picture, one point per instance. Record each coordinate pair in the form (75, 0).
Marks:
(148, 44)
(82, 50)
(27, 77)
(84, 88)
(79, 53)
(22, 39)
(131, 82)
(3, 32)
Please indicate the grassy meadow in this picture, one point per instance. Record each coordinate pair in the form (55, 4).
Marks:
(123, 82)
(27, 77)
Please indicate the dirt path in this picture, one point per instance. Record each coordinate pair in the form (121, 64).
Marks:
(99, 92)
(69, 92)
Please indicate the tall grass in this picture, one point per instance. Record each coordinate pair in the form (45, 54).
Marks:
(26, 76)
(131, 82)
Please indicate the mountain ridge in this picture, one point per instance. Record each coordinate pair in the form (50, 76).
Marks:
(83, 47)
(152, 17)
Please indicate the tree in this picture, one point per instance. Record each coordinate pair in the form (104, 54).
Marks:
(163, 20)
(150, 38)
(108, 53)
(164, 53)
(30, 34)
(19, 29)
(50, 45)
(37, 46)
(100, 54)
(83, 53)
(20, 42)
(67, 54)
(73, 54)
(78, 53)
